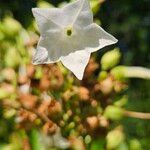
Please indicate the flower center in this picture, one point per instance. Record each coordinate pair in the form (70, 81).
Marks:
(69, 31)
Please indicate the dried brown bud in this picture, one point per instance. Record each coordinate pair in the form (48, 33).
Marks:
(106, 86)
(8, 87)
(54, 107)
(92, 66)
(49, 128)
(69, 112)
(26, 116)
(93, 122)
(67, 95)
(43, 108)
(84, 93)
(77, 119)
(81, 129)
(62, 123)
(103, 122)
(22, 115)
(44, 83)
(32, 117)
(22, 79)
(49, 107)
(94, 103)
(28, 100)
(56, 77)
(77, 143)
(30, 70)
(119, 86)
(25, 119)
(8, 74)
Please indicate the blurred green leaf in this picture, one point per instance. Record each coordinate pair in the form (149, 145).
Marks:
(35, 140)
(135, 145)
(98, 144)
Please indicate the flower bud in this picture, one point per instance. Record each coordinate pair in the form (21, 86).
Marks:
(9, 74)
(110, 59)
(83, 93)
(49, 128)
(88, 139)
(106, 86)
(135, 145)
(11, 26)
(102, 75)
(65, 117)
(30, 70)
(120, 86)
(95, 5)
(44, 4)
(90, 69)
(28, 100)
(114, 138)
(77, 143)
(12, 58)
(54, 107)
(119, 72)
(71, 125)
(4, 93)
(93, 122)
(9, 113)
(113, 112)
(103, 122)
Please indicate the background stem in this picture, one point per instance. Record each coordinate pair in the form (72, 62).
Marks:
(139, 115)
(138, 72)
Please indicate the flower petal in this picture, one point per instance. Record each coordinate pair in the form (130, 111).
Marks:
(97, 38)
(78, 13)
(45, 17)
(51, 43)
(76, 62)
(40, 56)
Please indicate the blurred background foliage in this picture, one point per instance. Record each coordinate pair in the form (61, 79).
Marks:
(91, 114)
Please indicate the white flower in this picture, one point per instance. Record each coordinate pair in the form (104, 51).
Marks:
(69, 35)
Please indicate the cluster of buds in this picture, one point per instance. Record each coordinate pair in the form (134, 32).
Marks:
(95, 122)
(38, 113)
(48, 97)
(78, 109)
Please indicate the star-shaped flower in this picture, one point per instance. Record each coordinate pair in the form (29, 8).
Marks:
(69, 35)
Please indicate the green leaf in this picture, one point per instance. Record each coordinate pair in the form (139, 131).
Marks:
(98, 144)
(35, 140)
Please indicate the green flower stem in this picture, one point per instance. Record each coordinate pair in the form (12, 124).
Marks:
(137, 72)
(138, 115)
(122, 72)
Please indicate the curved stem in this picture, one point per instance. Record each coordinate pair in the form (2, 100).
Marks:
(139, 115)
(138, 72)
